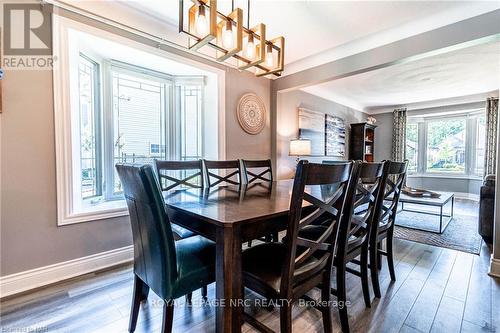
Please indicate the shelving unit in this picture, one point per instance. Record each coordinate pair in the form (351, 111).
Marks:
(362, 142)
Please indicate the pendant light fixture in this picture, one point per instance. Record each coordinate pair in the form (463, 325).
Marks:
(226, 34)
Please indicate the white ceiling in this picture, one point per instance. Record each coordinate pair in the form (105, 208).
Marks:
(321, 31)
(468, 71)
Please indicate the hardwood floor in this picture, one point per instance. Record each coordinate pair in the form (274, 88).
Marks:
(437, 290)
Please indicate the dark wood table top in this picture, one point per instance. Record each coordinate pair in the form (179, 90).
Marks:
(233, 204)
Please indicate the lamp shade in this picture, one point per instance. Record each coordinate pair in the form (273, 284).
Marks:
(300, 147)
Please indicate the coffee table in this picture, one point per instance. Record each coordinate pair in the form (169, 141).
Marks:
(446, 199)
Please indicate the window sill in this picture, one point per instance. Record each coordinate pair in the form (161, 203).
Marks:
(441, 175)
(101, 211)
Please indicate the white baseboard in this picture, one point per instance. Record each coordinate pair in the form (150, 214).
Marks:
(494, 267)
(42, 276)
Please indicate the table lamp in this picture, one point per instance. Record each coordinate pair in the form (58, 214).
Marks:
(300, 147)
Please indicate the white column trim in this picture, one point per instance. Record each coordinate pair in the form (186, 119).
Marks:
(494, 267)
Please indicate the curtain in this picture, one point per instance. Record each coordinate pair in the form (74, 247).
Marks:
(490, 154)
(399, 135)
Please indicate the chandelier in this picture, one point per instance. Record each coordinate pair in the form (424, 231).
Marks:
(230, 39)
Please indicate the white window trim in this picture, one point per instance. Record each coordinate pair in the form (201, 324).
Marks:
(470, 146)
(62, 120)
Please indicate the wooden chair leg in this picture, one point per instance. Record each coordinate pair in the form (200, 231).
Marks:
(189, 298)
(141, 291)
(276, 237)
(286, 318)
(342, 298)
(379, 256)
(204, 292)
(390, 256)
(168, 316)
(364, 276)
(374, 271)
(326, 296)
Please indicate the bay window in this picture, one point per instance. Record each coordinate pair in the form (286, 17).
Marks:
(446, 145)
(115, 103)
(140, 122)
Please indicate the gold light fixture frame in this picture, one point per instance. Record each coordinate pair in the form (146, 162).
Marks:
(222, 54)
(277, 44)
(237, 17)
(212, 22)
(259, 32)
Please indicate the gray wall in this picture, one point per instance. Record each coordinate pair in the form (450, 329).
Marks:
(30, 237)
(240, 144)
(383, 136)
(287, 125)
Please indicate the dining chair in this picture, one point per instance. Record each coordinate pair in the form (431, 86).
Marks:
(169, 268)
(353, 237)
(181, 174)
(232, 174)
(257, 170)
(174, 174)
(384, 229)
(288, 270)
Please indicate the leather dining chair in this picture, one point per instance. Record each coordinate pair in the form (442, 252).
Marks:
(170, 174)
(181, 174)
(298, 265)
(169, 268)
(384, 229)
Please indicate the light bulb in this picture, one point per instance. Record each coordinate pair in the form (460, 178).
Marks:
(201, 22)
(227, 36)
(250, 47)
(269, 56)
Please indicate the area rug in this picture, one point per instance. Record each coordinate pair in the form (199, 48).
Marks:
(461, 233)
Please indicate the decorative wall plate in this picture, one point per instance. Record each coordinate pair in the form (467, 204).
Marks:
(251, 113)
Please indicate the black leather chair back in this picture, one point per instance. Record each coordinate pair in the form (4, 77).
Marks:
(154, 247)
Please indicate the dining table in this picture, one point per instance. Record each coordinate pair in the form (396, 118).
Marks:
(231, 216)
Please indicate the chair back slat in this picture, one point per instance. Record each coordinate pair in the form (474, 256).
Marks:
(154, 247)
(322, 189)
(257, 170)
(174, 174)
(367, 202)
(232, 174)
(394, 186)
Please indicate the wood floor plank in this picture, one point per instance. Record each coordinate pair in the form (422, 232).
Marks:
(468, 327)
(478, 302)
(408, 329)
(424, 310)
(373, 318)
(100, 302)
(459, 278)
(402, 302)
(449, 316)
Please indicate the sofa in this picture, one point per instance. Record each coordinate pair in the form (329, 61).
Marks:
(487, 208)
